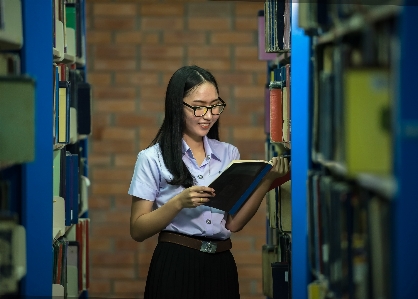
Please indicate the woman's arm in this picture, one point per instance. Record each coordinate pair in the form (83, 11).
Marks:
(145, 222)
(237, 222)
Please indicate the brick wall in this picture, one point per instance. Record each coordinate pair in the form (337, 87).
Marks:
(133, 49)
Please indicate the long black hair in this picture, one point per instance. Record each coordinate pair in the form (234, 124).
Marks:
(170, 134)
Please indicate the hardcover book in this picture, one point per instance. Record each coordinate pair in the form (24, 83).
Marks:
(238, 181)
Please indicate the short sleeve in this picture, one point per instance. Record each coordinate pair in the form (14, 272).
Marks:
(145, 181)
(235, 153)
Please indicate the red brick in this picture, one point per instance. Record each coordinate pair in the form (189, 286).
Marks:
(114, 64)
(119, 9)
(113, 133)
(211, 64)
(126, 244)
(99, 245)
(161, 51)
(119, 23)
(136, 78)
(124, 202)
(209, 51)
(211, 24)
(153, 64)
(114, 93)
(117, 217)
(249, 133)
(152, 104)
(130, 37)
(146, 135)
(239, 244)
(113, 272)
(248, 8)
(210, 9)
(251, 65)
(113, 147)
(111, 174)
(99, 160)
(98, 37)
(184, 37)
(251, 92)
(131, 286)
(99, 286)
(110, 188)
(144, 258)
(135, 120)
(125, 160)
(246, 52)
(250, 271)
(166, 23)
(250, 23)
(98, 202)
(236, 38)
(110, 231)
(113, 259)
(114, 106)
(235, 119)
(115, 52)
(162, 10)
(234, 78)
(99, 78)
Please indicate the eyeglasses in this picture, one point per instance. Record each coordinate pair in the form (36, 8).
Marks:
(202, 110)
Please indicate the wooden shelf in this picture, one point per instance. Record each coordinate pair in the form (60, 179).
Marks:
(358, 22)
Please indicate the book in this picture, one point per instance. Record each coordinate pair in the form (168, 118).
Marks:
(238, 181)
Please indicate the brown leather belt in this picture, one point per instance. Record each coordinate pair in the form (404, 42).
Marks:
(204, 246)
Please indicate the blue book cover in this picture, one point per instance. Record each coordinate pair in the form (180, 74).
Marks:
(71, 189)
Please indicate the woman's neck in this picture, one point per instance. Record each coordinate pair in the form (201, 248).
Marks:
(197, 148)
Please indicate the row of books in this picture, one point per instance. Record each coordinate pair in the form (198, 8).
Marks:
(72, 105)
(70, 273)
(276, 253)
(68, 38)
(352, 123)
(277, 107)
(316, 17)
(70, 190)
(349, 238)
(277, 18)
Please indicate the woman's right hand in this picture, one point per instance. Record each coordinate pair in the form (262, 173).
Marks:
(194, 196)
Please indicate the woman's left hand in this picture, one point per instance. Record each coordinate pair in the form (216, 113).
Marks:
(280, 167)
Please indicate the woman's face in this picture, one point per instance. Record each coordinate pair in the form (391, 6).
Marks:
(198, 126)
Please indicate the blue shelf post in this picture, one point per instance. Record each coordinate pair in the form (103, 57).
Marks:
(405, 245)
(300, 53)
(37, 59)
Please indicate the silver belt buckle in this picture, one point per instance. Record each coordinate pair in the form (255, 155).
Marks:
(208, 247)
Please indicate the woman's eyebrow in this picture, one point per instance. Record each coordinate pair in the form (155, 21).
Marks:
(203, 102)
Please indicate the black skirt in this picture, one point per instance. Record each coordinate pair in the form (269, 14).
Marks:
(179, 272)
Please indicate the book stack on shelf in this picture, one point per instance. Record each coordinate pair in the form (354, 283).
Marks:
(351, 178)
(72, 126)
(274, 48)
(17, 138)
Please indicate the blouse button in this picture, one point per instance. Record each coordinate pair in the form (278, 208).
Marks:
(200, 176)
(208, 221)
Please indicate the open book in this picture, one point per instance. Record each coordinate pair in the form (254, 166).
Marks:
(238, 181)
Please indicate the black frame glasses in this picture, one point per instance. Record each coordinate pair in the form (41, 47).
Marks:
(223, 105)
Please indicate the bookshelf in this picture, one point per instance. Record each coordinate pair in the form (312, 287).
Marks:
(366, 251)
(364, 247)
(50, 206)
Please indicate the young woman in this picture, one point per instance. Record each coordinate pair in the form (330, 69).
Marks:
(169, 187)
